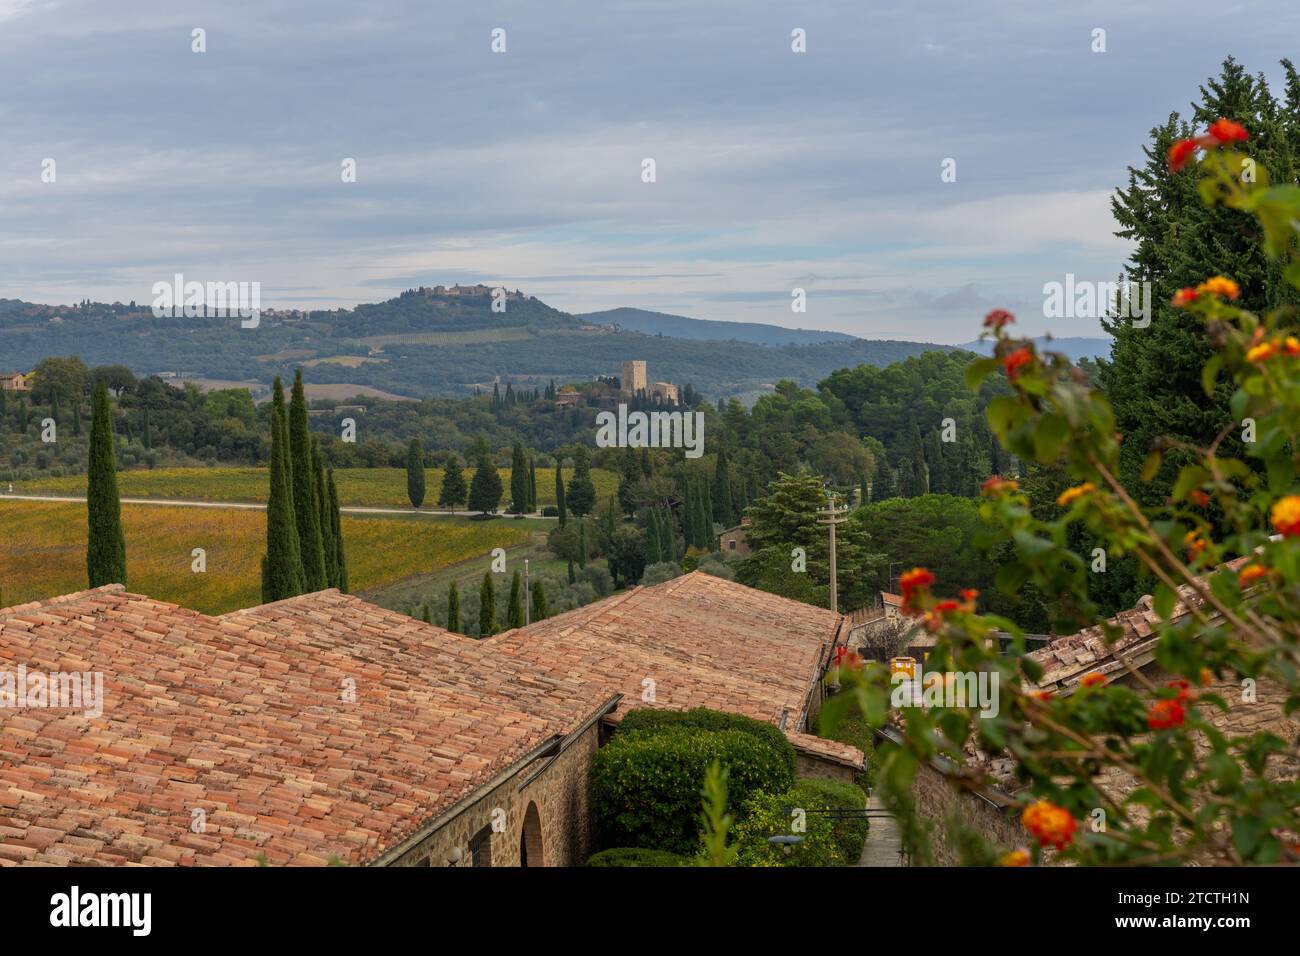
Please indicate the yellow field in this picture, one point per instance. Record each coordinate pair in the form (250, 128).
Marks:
(368, 487)
(43, 551)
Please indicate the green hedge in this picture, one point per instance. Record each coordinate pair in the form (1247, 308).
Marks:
(826, 842)
(645, 784)
(637, 856)
(702, 718)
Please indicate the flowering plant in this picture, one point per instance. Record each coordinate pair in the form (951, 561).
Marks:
(1125, 766)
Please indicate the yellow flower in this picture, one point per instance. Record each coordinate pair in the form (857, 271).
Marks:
(1286, 516)
(1219, 286)
(1261, 352)
(1070, 495)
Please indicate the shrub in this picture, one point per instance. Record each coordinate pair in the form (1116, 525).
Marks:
(702, 718)
(645, 785)
(850, 833)
(550, 511)
(660, 572)
(637, 856)
(768, 814)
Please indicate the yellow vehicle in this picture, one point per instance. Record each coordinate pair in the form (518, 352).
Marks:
(903, 665)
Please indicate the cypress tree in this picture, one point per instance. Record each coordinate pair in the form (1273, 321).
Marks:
(515, 614)
(340, 560)
(106, 544)
(76, 415)
(651, 537)
(572, 576)
(723, 507)
(415, 473)
(485, 487)
(426, 615)
(532, 485)
(453, 492)
(328, 544)
(518, 480)
(453, 608)
(487, 606)
(282, 577)
(540, 610)
(4, 406)
(581, 495)
(306, 510)
(582, 544)
(560, 504)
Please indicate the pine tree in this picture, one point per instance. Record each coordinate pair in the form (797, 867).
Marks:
(453, 492)
(453, 608)
(105, 542)
(328, 544)
(306, 511)
(340, 559)
(487, 606)
(540, 611)
(518, 480)
(415, 473)
(282, 565)
(515, 613)
(560, 505)
(485, 487)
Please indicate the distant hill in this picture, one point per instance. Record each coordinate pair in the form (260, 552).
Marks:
(684, 327)
(426, 342)
(1075, 347)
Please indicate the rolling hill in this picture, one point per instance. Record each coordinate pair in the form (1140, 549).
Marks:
(684, 327)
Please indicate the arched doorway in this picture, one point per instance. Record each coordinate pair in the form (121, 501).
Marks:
(530, 838)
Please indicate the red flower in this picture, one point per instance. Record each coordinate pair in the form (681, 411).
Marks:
(1184, 297)
(844, 657)
(1093, 679)
(1199, 498)
(1017, 360)
(1226, 131)
(1049, 824)
(1165, 715)
(912, 581)
(1183, 687)
(1180, 153)
(997, 483)
(998, 318)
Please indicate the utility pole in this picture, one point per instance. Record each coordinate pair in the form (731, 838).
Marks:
(834, 517)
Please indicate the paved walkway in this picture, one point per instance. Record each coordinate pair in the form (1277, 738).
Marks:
(884, 844)
(253, 505)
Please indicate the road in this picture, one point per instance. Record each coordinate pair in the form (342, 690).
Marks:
(247, 505)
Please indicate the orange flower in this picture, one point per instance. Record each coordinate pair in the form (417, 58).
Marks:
(1093, 679)
(1070, 495)
(1250, 574)
(1180, 153)
(1049, 824)
(1226, 131)
(1286, 516)
(1219, 286)
(1291, 346)
(1165, 715)
(998, 318)
(1261, 352)
(1018, 857)
(1199, 498)
(1183, 297)
(1042, 695)
(1194, 544)
(1206, 676)
(998, 484)
(1016, 360)
(969, 595)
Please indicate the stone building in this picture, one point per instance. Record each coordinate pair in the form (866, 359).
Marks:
(736, 540)
(324, 728)
(14, 382)
(632, 377)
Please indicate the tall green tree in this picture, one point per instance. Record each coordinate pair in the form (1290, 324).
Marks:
(340, 558)
(105, 542)
(581, 496)
(415, 473)
(540, 610)
(328, 545)
(453, 608)
(582, 544)
(532, 485)
(454, 490)
(515, 612)
(485, 487)
(487, 606)
(561, 506)
(724, 510)
(518, 480)
(306, 509)
(282, 575)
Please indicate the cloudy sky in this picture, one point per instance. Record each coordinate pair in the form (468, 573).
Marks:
(775, 170)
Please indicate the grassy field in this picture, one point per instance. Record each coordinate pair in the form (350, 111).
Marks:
(43, 551)
(512, 333)
(367, 487)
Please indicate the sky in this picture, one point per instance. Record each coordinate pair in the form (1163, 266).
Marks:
(774, 170)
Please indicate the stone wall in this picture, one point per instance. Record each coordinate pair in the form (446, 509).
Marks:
(561, 794)
(939, 805)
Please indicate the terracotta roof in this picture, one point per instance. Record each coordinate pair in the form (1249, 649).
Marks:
(243, 717)
(888, 598)
(703, 641)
